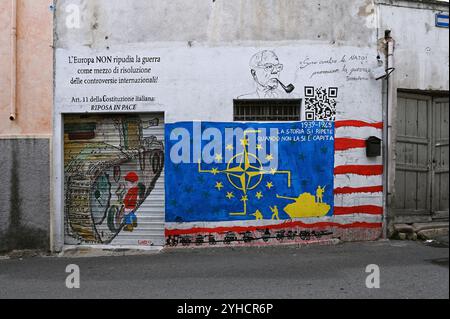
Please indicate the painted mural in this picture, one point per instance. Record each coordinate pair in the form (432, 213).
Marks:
(333, 84)
(265, 69)
(262, 176)
(111, 165)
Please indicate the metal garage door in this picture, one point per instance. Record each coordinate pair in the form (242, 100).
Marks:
(421, 177)
(114, 179)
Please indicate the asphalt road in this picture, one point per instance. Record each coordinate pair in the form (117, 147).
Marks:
(407, 270)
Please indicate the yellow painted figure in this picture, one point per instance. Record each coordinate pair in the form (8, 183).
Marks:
(258, 215)
(275, 212)
(319, 194)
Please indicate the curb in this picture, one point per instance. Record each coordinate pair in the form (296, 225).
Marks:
(106, 251)
(323, 242)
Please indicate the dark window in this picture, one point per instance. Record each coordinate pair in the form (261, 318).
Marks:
(267, 110)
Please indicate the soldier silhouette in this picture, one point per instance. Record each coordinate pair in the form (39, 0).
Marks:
(275, 212)
(258, 215)
(319, 194)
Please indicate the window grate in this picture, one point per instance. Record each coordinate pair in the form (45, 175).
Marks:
(274, 110)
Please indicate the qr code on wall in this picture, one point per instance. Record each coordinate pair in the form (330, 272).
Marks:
(320, 103)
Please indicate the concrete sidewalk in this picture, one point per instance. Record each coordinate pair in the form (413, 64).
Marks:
(408, 270)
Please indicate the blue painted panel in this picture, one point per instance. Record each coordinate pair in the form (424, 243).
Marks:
(263, 171)
(442, 20)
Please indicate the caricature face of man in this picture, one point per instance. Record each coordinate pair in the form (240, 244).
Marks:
(266, 69)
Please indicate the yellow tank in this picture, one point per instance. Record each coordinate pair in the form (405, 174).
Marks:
(305, 206)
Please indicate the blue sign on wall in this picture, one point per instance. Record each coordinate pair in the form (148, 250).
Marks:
(248, 171)
(442, 20)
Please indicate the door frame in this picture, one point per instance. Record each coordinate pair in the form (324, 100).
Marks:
(393, 215)
(434, 211)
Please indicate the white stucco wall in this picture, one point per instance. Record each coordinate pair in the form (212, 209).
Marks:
(205, 48)
(421, 48)
(200, 83)
(421, 59)
(214, 22)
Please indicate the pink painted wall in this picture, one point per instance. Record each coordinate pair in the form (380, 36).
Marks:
(34, 68)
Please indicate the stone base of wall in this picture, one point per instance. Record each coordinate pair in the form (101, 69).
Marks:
(265, 237)
(24, 194)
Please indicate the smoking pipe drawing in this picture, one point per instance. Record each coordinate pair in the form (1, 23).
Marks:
(288, 88)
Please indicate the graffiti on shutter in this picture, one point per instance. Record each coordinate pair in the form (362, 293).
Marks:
(111, 166)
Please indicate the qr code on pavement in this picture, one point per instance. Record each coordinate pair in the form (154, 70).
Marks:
(320, 103)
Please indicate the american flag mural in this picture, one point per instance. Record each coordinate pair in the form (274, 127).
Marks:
(356, 206)
(358, 191)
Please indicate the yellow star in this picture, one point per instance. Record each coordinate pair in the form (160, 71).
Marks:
(244, 142)
(259, 195)
(230, 195)
(219, 186)
(229, 147)
(269, 157)
(215, 171)
(269, 185)
(219, 158)
(273, 171)
(244, 198)
(259, 147)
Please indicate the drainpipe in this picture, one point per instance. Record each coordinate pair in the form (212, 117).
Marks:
(12, 115)
(389, 51)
